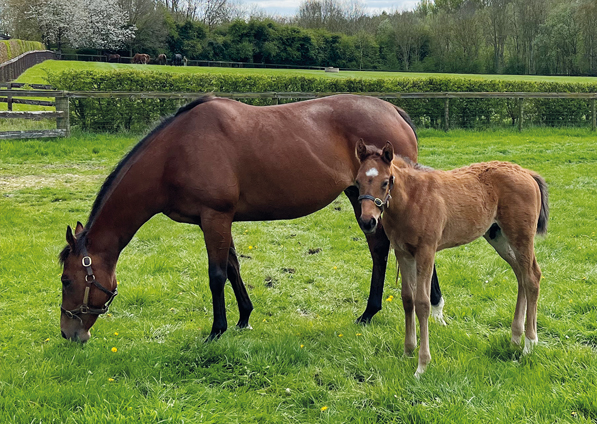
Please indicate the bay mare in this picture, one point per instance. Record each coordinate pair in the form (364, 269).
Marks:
(218, 161)
(425, 211)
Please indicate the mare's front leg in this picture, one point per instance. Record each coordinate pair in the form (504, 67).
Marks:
(217, 228)
(245, 307)
(424, 264)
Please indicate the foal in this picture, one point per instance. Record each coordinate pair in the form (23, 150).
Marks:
(434, 210)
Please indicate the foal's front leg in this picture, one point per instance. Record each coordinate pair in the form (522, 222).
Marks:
(424, 260)
(408, 269)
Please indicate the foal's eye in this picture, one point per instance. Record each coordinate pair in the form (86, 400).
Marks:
(384, 185)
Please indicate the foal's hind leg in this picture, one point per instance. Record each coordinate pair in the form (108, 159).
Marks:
(498, 241)
(245, 307)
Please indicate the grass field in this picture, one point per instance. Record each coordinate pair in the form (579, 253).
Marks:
(305, 361)
(36, 74)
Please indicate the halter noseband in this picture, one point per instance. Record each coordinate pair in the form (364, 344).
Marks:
(89, 280)
(381, 204)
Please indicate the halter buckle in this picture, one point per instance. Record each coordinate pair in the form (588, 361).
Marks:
(86, 261)
(378, 202)
(89, 278)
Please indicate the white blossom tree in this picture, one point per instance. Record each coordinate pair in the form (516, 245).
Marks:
(100, 24)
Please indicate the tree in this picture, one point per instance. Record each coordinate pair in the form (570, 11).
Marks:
(99, 24)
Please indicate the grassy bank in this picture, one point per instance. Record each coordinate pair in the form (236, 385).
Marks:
(305, 360)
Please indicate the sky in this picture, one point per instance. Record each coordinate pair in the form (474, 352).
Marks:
(290, 7)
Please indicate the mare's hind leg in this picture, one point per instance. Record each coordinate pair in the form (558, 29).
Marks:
(379, 246)
(218, 239)
(245, 307)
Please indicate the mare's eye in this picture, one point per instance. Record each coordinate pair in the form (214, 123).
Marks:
(65, 281)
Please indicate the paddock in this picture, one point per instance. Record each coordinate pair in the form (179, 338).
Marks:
(305, 359)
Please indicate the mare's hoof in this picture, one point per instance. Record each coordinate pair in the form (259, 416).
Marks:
(364, 319)
(244, 326)
(214, 335)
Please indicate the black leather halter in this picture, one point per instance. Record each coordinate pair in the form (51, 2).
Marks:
(89, 280)
(381, 204)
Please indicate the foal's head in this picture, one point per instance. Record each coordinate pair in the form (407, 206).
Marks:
(88, 286)
(374, 181)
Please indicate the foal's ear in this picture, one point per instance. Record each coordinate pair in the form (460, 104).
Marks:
(79, 229)
(70, 238)
(360, 149)
(387, 154)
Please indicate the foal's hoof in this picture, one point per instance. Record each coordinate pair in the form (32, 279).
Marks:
(419, 372)
(529, 345)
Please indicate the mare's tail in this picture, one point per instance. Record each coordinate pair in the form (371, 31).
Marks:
(544, 213)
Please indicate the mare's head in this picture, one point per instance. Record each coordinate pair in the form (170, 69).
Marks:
(374, 181)
(88, 286)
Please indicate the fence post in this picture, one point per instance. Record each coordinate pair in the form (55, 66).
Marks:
(447, 115)
(63, 123)
(594, 124)
(277, 100)
(520, 114)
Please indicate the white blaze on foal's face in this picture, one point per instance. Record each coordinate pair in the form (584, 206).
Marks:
(372, 172)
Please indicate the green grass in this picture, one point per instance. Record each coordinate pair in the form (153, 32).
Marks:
(305, 353)
(36, 74)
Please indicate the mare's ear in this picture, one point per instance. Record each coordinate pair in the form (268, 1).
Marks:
(387, 154)
(360, 149)
(70, 238)
(79, 229)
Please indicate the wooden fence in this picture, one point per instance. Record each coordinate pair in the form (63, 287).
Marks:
(11, 69)
(63, 121)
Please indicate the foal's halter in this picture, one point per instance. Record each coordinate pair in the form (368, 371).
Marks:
(381, 204)
(89, 280)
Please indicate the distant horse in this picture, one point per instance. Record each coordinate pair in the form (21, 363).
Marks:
(424, 211)
(177, 61)
(141, 58)
(162, 59)
(218, 161)
(115, 58)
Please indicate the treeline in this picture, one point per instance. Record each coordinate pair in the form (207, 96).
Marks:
(548, 37)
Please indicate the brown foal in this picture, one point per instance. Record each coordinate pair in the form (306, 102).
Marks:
(425, 211)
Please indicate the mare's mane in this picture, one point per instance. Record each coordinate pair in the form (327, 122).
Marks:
(112, 177)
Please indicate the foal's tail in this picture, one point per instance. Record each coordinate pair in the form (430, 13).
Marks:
(544, 213)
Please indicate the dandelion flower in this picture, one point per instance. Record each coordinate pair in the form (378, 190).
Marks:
(302, 346)
(109, 315)
(250, 247)
(359, 334)
(390, 298)
(323, 408)
(47, 340)
(340, 335)
(335, 267)
(110, 380)
(114, 350)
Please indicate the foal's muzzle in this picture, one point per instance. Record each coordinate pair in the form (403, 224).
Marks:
(368, 225)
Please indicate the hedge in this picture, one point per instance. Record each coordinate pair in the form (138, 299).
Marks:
(116, 114)
(9, 49)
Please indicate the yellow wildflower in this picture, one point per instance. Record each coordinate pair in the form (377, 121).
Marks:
(110, 380)
(302, 346)
(114, 350)
(340, 335)
(323, 408)
(250, 247)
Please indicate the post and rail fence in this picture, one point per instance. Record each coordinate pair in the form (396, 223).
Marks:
(12, 68)
(62, 103)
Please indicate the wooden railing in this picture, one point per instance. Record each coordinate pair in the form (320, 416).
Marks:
(62, 103)
(11, 69)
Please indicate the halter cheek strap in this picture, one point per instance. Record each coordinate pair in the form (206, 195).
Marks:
(381, 204)
(89, 280)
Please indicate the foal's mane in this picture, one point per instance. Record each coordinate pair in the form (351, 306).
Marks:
(112, 177)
